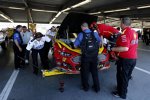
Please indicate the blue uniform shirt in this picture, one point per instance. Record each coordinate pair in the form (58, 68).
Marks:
(17, 37)
(80, 37)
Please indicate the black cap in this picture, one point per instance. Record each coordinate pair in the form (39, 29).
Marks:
(38, 35)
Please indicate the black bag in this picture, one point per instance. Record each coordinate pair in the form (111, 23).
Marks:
(89, 45)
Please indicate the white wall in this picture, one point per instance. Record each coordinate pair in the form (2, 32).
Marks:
(39, 27)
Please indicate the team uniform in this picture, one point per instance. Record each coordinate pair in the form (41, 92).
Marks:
(88, 64)
(38, 47)
(106, 31)
(127, 60)
(17, 53)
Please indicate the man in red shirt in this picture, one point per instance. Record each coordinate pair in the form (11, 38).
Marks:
(126, 47)
(106, 31)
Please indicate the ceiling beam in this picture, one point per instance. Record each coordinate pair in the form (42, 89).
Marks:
(131, 13)
(70, 5)
(120, 5)
(4, 4)
(36, 5)
(28, 10)
(5, 16)
(32, 5)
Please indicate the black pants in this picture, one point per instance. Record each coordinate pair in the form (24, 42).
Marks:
(17, 55)
(89, 65)
(124, 71)
(25, 55)
(47, 46)
(43, 58)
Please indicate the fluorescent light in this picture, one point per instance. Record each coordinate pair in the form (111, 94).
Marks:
(53, 20)
(74, 6)
(117, 10)
(66, 9)
(11, 20)
(16, 8)
(7, 18)
(44, 10)
(81, 3)
(142, 7)
(59, 13)
(95, 13)
(112, 18)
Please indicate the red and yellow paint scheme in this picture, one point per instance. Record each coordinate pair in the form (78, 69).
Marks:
(67, 58)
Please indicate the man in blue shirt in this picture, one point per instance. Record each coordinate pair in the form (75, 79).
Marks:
(78, 40)
(89, 60)
(17, 43)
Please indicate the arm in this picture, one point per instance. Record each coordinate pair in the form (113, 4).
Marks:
(16, 38)
(51, 35)
(78, 40)
(120, 49)
(47, 38)
(17, 44)
(123, 44)
(99, 39)
(102, 44)
(30, 45)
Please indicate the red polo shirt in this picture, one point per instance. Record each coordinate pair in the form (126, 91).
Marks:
(106, 31)
(129, 38)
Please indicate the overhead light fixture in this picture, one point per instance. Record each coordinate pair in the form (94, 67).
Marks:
(7, 18)
(112, 18)
(66, 9)
(16, 8)
(53, 20)
(59, 13)
(69, 8)
(142, 7)
(117, 10)
(81, 3)
(95, 13)
(44, 10)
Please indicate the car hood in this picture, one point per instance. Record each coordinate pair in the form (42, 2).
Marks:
(72, 23)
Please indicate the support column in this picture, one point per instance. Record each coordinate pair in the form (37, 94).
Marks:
(28, 21)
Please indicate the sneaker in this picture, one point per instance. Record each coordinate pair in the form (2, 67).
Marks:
(26, 61)
(116, 94)
(84, 88)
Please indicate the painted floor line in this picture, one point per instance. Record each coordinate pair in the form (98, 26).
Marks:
(144, 49)
(7, 89)
(145, 71)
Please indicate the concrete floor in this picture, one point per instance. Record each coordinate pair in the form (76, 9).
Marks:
(30, 87)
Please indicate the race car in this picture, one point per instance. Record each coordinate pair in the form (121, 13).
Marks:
(67, 58)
